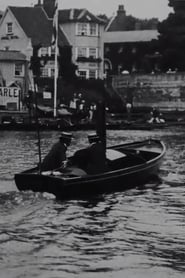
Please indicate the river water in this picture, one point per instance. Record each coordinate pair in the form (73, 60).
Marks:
(134, 234)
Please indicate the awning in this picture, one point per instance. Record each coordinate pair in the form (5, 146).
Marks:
(64, 112)
(46, 109)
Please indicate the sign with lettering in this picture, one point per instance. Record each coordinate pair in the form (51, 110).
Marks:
(47, 95)
(9, 95)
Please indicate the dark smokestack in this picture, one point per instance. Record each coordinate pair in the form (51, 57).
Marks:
(49, 7)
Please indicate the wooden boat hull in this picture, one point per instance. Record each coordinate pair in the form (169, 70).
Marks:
(117, 179)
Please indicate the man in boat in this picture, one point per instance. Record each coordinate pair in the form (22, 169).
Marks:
(91, 159)
(56, 158)
(96, 155)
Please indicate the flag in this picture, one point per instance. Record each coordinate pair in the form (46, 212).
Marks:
(55, 23)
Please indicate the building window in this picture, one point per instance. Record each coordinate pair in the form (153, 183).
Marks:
(52, 72)
(47, 72)
(43, 51)
(52, 50)
(82, 29)
(92, 74)
(93, 52)
(19, 69)
(82, 52)
(44, 72)
(9, 28)
(93, 29)
(82, 74)
(87, 29)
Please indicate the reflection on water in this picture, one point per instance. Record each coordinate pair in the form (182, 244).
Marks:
(137, 233)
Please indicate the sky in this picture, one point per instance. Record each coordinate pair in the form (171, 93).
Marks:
(137, 8)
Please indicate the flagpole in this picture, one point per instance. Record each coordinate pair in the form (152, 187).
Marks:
(37, 124)
(56, 59)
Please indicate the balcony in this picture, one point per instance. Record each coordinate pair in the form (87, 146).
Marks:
(90, 59)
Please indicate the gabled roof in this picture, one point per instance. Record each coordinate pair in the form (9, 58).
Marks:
(130, 36)
(37, 26)
(11, 55)
(78, 15)
(117, 24)
(123, 22)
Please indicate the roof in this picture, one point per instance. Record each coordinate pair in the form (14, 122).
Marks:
(123, 22)
(118, 24)
(78, 15)
(37, 26)
(7, 55)
(130, 36)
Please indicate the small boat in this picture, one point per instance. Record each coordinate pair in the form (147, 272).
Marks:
(141, 125)
(129, 165)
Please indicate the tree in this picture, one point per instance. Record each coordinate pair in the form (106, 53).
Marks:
(67, 70)
(35, 64)
(172, 42)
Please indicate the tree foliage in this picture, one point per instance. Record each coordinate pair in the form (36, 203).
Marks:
(67, 70)
(172, 41)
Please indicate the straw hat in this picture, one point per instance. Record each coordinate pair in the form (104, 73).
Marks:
(67, 136)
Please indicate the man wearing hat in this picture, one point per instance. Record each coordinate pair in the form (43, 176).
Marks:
(91, 159)
(96, 155)
(56, 158)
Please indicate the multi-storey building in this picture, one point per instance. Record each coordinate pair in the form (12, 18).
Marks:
(13, 66)
(129, 44)
(84, 32)
(29, 31)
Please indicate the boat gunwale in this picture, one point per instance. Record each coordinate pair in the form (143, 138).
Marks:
(67, 181)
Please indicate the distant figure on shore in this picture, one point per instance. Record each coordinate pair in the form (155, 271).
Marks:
(73, 102)
(56, 158)
(92, 110)
(128, 109)
(156, 116)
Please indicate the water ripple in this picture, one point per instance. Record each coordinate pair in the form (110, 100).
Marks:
(137, 233)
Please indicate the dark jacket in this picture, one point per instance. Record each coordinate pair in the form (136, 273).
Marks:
(96, 159)
(91, 159)
(80, 158)
(55, 157)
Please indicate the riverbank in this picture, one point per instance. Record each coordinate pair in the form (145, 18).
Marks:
(163, 90)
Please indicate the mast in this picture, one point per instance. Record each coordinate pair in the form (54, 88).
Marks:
(38, 129)
(55, 43)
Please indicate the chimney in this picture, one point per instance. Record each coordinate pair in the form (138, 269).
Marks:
(121, 18)
(121, 10)
(39, 4)
(49, 7)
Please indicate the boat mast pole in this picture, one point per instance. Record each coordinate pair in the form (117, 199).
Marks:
(101, 116)
(101, 121)
(55, 25)
(37, 124)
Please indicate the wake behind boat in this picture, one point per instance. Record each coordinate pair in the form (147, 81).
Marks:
(128, 165)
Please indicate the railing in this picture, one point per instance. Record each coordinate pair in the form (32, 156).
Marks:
(175, 79)
(166, 90)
